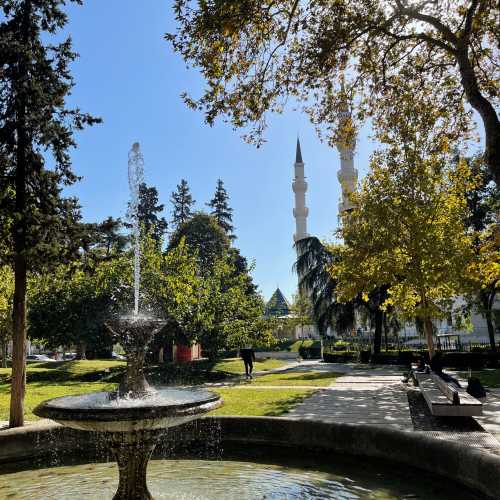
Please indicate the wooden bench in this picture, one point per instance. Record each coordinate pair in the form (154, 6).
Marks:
(445, 399)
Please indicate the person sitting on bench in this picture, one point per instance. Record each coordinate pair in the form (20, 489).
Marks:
(437, 367)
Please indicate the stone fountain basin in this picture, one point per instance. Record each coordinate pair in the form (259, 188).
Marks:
(103, 412)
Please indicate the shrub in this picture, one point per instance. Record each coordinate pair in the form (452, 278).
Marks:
(340, 356)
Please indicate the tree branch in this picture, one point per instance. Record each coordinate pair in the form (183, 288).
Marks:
(414, 13)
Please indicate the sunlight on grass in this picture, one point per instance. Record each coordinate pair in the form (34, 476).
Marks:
(259, 402)
(236, 366)
(315, 379)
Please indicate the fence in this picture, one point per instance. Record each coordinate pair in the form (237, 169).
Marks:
(444, 345)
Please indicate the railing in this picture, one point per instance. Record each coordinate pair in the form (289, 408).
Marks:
(444, 345)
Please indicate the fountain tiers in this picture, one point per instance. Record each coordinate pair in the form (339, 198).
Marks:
(131, 427)
(133, 418)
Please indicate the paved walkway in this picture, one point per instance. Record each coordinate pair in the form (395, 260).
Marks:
(366, 395)
(376, 396)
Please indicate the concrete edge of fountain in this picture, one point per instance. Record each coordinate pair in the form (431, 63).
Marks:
(476, 469)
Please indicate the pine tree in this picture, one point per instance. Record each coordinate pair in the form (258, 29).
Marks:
(221, 210)
(35, 128)
(182, 202)
(110, 240)
(149, 210)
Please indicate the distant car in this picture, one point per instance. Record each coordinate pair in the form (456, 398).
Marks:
(69, 356)
(38, 357)
(118, 357)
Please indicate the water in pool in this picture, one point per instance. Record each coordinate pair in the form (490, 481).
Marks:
(234, 479)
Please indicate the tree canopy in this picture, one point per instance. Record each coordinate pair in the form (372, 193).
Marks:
(256, 56)
(182, 204)
(148, 212)
(221, 210)
(204, 236)
(407, 229)
(36, 133)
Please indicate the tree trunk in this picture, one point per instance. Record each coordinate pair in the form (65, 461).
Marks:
(486, 111)
(161, 358)
(377, 339)
(81, 348)
(491, 331)
(4, 353)
(429, 330)
(18, 385)
(385, 330)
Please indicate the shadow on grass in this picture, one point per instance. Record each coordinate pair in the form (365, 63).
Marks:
(285, 405)
(67, 371)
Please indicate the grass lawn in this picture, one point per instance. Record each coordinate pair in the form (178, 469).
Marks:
(489, 378)
(259, 402)
(315, 379)
(236, 366)
(65, 378)
(40, 391)
(52, 380)
(62, 371)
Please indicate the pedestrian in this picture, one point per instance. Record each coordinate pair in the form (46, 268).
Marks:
(248, 356)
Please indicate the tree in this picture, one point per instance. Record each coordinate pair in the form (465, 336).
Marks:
(148, 211)
(229, 315)
(69, 306)
(204, 236)
(485, 276)
(221, 210)
(255, 54)
(110, 241)
(483, 201)
(182, 202)
(35, 127)
(302, 310)
(6, 295)
(312, 267)
(407, 228)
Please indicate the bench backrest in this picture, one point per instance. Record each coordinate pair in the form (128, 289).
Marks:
(448, 389)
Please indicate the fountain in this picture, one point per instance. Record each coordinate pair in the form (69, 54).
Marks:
(134, 417)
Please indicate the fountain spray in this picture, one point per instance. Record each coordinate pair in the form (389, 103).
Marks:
(133, 418)
(135, 179)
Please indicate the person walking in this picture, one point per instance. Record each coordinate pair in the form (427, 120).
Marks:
(248, 356)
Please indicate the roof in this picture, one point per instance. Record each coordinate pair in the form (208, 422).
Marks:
(277, 305)
(298, 153)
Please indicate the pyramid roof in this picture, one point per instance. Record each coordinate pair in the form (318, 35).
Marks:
(277, 305)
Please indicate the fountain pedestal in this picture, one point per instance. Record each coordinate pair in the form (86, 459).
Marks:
(134, 417)
(132, 452)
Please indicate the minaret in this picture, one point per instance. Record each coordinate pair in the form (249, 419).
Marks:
(347, 175)
(299, 186)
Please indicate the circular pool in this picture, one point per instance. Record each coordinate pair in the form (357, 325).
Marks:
(237, 478)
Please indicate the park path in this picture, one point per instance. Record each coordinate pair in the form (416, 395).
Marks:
(376, 396)
(364, 395)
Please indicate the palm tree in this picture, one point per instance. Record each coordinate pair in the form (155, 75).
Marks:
(313, 260)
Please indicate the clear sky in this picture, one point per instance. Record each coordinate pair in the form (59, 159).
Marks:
(128, 75)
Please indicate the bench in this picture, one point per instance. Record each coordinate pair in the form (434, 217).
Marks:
(445, 399)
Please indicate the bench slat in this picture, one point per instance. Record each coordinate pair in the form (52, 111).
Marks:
(438, 401)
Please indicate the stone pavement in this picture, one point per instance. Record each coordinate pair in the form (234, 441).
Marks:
(376, 396)
(363, 395)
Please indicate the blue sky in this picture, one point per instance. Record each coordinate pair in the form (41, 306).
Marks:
(128, 75)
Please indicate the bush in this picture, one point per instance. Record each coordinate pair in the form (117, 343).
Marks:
(474, 360)
(310, 352)
(340, 356)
